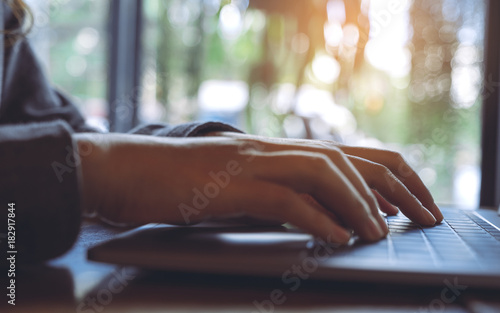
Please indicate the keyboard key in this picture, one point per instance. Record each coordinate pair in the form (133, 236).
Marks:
(461, 240)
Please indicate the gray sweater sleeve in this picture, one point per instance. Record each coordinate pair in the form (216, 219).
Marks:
(39, 175)
(183, 130)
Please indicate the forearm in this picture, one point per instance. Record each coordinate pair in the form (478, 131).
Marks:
(113, 165)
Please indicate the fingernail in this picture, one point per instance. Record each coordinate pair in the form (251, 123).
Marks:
(385, 228)
(429, 218)
(383, 225)
(374, 228)
(344, 236)
(439, 214)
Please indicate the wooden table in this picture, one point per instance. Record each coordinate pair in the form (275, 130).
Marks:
(71, 283)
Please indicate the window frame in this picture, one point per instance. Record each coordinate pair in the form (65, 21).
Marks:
(124, 70)
(490, 139)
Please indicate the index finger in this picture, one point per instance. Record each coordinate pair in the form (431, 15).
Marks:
(400, 168)
(315, 174)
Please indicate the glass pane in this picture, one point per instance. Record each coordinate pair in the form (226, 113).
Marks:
(402, 75)
(70, 38)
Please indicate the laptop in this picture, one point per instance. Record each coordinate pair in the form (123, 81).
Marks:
(462, 251)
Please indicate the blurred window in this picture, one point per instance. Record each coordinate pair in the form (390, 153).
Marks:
(403, 75)
(70, 39)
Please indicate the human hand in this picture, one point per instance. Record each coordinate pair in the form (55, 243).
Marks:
(392, 180)
(142, 179)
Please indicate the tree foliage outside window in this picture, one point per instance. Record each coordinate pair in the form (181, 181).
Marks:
(403, 75)
(70, 38)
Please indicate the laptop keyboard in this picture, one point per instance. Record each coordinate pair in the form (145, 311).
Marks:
(462, 239)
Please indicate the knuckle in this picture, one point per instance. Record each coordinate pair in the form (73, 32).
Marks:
(335, 154)
(330, 146)
(361, 210)
(396, 159)
(317, 165)
(343, 157)
(367, 201)
(318, 161)
(247, 145)
(394, 155)
(328, 143)
(382, 170)
(400, 166)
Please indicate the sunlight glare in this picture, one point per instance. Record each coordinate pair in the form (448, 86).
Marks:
(325, 68)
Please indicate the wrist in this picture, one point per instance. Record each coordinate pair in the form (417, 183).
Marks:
(90, 155)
